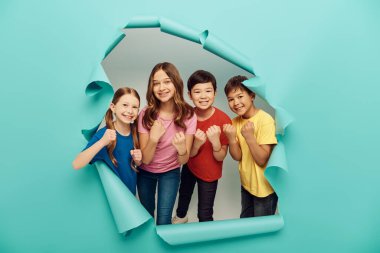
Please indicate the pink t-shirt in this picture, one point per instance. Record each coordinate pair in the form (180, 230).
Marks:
(165, 158)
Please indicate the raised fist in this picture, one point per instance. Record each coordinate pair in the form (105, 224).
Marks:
(213, 134)
(108, 137)
(247, 130)
(199, 138)
(136, 156)
(179, 142)
(230, 132)
(157, 131)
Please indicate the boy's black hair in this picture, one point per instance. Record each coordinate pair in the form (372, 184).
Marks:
(235, 83)
(201, 76)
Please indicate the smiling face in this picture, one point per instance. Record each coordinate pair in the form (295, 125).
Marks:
(241, 103)
(126, 109)
(202, 95)
(163, 87)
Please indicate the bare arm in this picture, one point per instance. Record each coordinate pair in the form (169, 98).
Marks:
(199, 140)
(220, 154)
(136, 156)
(235, 150)
(148, 147)
(183, 144)
(230, 132)
(260, 153)
(194, 150)
(148, 142)
(213, 134)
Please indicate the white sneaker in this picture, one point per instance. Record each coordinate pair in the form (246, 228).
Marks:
(178, 220)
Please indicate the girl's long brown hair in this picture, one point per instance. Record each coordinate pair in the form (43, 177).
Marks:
(182, 110)
(109, 122)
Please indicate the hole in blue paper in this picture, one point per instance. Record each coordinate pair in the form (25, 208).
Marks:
(130, 63)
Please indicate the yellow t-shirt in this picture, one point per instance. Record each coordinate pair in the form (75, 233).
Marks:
(251, 174)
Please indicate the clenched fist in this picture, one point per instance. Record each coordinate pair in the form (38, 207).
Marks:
(157, 131)
(199, 138)
(247, 130)
(179, 142)
(230, 132)
(213, 135)
(108, 137)
(136, 156)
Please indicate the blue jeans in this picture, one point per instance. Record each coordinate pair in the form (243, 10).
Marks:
(206, 195)
(252, 206)
(167, 184)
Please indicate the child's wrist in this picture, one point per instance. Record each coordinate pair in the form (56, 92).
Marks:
(103, 143)
(197, 145)
(234, 141)
(216, 146)
(154, 140)
(250, 138)
(182, 153)
(216, 150)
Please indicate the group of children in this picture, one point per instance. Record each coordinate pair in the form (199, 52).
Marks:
(147, 149)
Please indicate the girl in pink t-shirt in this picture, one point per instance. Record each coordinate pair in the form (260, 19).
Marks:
(166, 129)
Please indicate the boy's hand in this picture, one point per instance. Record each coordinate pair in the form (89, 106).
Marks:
(247, 130)
(213, 135)
(157, 131)
(230, 132)
(179, 142)
(199, 138)
(136, 156)
(108, 137)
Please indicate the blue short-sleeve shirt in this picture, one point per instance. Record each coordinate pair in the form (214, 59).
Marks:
(122, 154)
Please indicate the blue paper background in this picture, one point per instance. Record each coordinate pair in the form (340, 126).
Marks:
(319, 59)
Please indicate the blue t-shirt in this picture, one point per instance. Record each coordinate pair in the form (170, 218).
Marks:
(122, 154)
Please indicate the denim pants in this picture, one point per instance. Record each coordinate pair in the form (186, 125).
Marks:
(206, 195)
(167, 187)
(252, 206)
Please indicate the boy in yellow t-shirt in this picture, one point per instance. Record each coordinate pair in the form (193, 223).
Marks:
(251, 139)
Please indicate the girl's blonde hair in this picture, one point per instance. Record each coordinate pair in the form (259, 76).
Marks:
(109, 122)
(182, 110)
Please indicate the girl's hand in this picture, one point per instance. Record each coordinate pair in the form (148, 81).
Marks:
(230, 132)
(108, 137)
(136, 156)
(199, 138)
(179, 142)
(247, 130)
(157, 131)
(213, 135)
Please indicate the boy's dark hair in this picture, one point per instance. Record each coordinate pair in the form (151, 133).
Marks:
(235, 83)
(201, 76)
